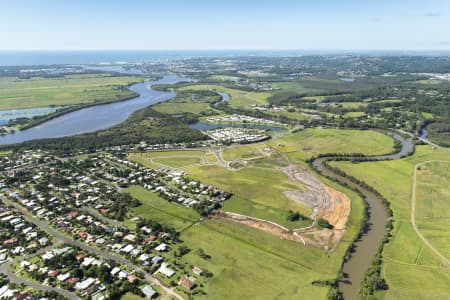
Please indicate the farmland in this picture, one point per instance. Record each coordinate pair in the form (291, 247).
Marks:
(68, 90)
(410, 267)
(193, 103)
(432, 206)
(311, 142)
(239, 98)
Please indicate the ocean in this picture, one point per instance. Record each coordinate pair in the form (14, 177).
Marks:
(35, 58)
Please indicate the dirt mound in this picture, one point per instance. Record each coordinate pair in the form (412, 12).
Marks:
(326, 202)
(263, 225)
(339, 210)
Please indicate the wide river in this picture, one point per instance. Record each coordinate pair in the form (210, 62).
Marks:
(95, 117)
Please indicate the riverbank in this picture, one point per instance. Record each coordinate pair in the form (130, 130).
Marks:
(366, 249)
(95, 116)
(67, 110)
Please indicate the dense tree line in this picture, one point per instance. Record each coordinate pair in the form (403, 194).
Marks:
(144, 125)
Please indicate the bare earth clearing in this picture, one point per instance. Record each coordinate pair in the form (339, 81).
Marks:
(328, 203)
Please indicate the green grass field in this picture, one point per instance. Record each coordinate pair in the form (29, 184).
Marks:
(155, 208)
(433, 204)
(74, 89)
(311, 142)
(410, 268)
(243, 152)
(354, 114)
(174, 159)
(427, 116)
(295, 115)
(249, 264)
(223, 78)
(268, 268)
(143, 160)
(173, 108)
(297, 87)
(177, 162)
(351, 104)
(241, 99)
(130, 296)
(257, 193)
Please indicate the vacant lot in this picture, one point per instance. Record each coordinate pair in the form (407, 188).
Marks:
(74, 89)
(268, 268)
(173, 108)
(243, 152)
(177, 162)
(242, 99)
(411, 269)
(433, 204)
(257, 193)
(223, 78)
(299, 88)
(155, 208)
(173, 159)
(311, 142)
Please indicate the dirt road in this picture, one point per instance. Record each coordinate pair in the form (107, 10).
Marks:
(444, 259)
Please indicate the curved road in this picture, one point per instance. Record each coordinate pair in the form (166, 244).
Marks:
(4, 269)
(355, 267)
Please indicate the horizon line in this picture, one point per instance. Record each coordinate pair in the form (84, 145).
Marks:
(237, 49)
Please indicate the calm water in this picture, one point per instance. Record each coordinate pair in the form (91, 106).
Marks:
(424, 133)
(96, 117)
(225, 97)
(11, 114)
(115, 68)
(365, 248)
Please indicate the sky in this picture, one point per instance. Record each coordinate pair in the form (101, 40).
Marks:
(229, 24)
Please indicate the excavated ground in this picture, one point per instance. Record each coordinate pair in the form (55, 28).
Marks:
(326, 203)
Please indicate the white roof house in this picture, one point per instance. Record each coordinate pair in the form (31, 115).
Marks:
(164, 269)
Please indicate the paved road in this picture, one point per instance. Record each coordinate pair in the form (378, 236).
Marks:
(413, 213)
(4, 269)
(106, 255)
(104, 219)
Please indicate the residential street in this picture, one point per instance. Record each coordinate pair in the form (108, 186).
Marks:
(4, 269)
(64, 239)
